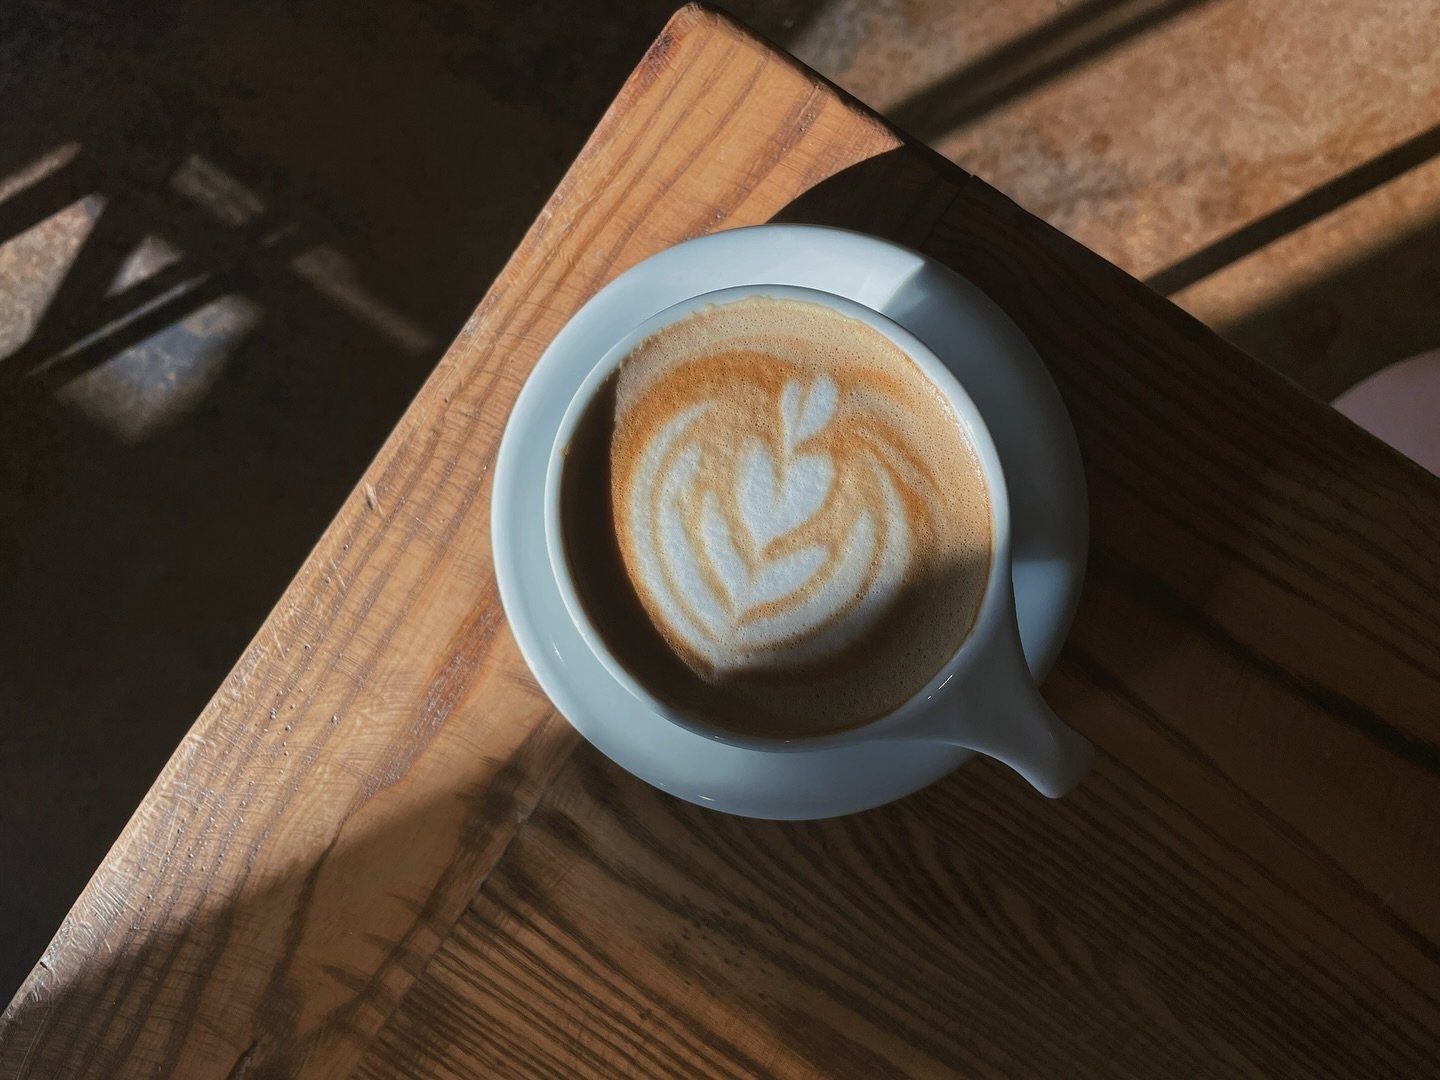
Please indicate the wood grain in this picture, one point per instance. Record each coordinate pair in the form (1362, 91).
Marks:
(377, 850)
(1246, 886)
(969, 930)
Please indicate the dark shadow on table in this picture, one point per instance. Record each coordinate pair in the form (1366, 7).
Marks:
(322, 977)
(1124, 923)
(972, 928)
(948, 928)
(266, 223)
(1376, 309)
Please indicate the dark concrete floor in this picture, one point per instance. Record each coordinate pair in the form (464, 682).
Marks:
(340, 182)
(234, 239)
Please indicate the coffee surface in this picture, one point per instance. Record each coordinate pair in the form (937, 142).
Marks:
(794, 509)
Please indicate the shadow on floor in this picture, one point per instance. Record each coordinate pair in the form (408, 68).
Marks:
(1076, 37)
(1295, 215)
(264, 224)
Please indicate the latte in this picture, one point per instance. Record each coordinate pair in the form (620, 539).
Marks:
(793, 528)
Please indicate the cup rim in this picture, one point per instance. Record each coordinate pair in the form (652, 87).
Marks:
(995, 603)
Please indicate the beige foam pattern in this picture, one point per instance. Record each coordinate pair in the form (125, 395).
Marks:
(786, 483)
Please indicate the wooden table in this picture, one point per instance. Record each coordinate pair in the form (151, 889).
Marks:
(378, 852)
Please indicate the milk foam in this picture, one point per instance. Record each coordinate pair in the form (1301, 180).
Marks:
(733, 594)
(781, 475)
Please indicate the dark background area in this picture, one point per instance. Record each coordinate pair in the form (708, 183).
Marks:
(410, 143)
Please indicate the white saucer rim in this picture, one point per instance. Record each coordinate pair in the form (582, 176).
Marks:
(554, 677)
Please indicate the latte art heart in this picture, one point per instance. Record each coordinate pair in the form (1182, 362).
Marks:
(737, 556)
(778, 495)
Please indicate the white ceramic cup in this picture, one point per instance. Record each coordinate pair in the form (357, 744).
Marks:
(983, 698)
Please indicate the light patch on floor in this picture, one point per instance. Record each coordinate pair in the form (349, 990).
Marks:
(33, 265)
(334, 276)
(151, 255)
(227, 199)
(46, 164)
(140, 390)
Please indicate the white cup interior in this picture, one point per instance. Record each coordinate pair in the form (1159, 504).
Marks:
(996, 612)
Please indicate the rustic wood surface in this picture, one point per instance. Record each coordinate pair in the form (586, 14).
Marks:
(379, 852)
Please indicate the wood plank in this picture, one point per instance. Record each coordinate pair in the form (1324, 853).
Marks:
(972, 929)
(380, 742)
(1246, 886)
(1265, 575)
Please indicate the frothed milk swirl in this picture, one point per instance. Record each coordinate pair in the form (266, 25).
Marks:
(798, 510)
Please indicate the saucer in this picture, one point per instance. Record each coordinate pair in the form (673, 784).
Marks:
(995, 364)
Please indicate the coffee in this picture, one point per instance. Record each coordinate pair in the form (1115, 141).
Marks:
(775, 520)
